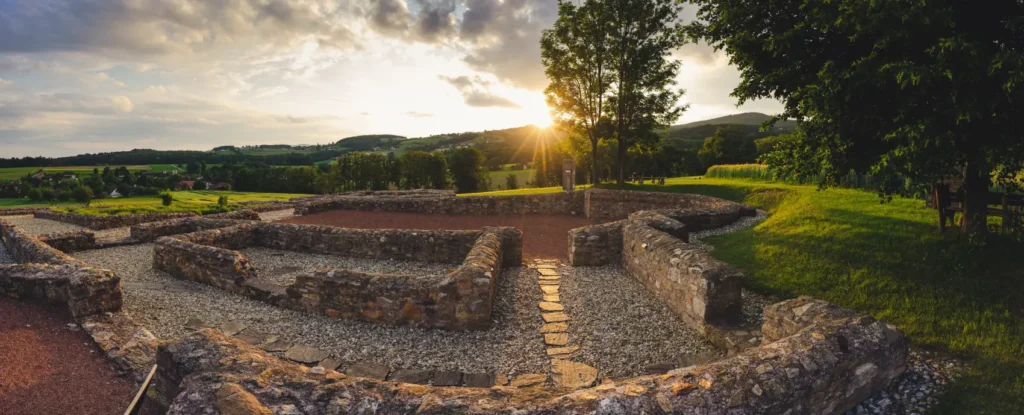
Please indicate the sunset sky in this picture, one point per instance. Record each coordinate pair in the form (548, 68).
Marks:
(109, 75)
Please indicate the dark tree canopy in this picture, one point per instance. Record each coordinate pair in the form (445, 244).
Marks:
(926, 89)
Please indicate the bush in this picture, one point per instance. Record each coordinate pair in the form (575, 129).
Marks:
(49, 195)
(222, 201)
(166, 198)
(35, 195)
(740, 171)
(512, 182)
(82, 195)
(64, 195)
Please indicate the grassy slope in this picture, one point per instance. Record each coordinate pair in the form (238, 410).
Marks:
(887, 260)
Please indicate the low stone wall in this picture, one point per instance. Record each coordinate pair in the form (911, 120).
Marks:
(596, 245)
(27, 248)
(68, 242)
(149, 232)
(99, 222)
(86, 291)
(826, 367)
(566, 203)
(20, 211)
(463, 300)
(246, 214)
(694, 285)
(618, 204)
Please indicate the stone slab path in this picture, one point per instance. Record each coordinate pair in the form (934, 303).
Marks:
(565, 372)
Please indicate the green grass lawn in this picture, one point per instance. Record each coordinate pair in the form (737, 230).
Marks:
(185, 201)
(498, 178)
(887, 260)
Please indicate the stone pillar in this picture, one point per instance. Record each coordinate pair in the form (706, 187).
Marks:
(568, 175)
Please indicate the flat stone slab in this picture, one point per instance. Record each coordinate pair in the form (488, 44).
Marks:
(549, 278)
(368, 370)
(555, 351)
(573, 375)
(554, 298)
(446, 378)
(195, 324)
(530, 379)
(545, 266)
(555, 317)
(478, 380)
(251, 336)
(305, 354)
(500, 379)
(420, 377)
(549, 289)
(274, 344)
(542, 282)
(549, 306)
(556, 339)
(547, 271)
(554, 328)
(329, 364)
(232, 328)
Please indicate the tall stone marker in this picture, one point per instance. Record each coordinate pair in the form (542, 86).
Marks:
(568, 175)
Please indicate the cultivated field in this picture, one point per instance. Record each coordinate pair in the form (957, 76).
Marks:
(14, 173)
(183, 201)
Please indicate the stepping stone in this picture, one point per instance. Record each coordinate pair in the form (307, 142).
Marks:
(545, 266)
(556, 339)
(659, 368)
(547, 306)
(549, 289)
(305, 354)
(543, 283)
(555, 351)
(478, 380)
(547, 271)
(526, 380)
(274, 344)
(445, 378)
(420, 377)
(195, 324)
(555, 317)
(549, 277)
(568, 374)
(368, 370)
(552, 298)
(251, 336)
(500, 379)
(232, 328)
(329, 364)
(554, 328)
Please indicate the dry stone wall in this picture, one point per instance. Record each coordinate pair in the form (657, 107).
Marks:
(27, 248)
(20, 211)
(825, 367)
(68, 242)
(569, 203)
(86, 291)
(245, 214)
(97, 222)
(149, 232)
(463, 300)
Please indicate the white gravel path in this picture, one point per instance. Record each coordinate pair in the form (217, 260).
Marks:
(282, 267)
(164, 304)
(35, 226)
(696, 238)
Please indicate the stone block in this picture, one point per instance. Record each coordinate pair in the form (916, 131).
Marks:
(478, 380)
(447, 378)
(368, 370)
(305, 354)
(421, 377)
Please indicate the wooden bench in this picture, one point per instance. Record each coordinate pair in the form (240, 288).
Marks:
(1010, 207)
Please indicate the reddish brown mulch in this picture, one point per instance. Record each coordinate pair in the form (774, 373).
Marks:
(543, 236)
(46, 368)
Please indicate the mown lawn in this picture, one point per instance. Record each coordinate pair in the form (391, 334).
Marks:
(944, 291)
(500, 177)
(185, 201)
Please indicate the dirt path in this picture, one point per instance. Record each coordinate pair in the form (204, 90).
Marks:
(46, 368)
(543, 236)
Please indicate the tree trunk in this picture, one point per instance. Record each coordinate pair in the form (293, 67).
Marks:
(622, 160)
(975, 186)
(593, 161)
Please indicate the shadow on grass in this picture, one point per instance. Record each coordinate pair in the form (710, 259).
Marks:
(734, 194)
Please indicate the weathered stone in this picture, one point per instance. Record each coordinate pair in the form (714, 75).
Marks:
(573, 375)
(549, 278)
(659, 368)
(478, 380)
(549, 289)
(232, 328)
(275, 344)
(500, 379)
(546, 271)
(305, 354)
(553, 298)
(251, 336)
(98, 222)
(368, 370)
(233, 399)
(554, 328)
(555, 317)
(549, 283)
(447, 378)
(556, 351)
(549, 306)
(527, 380)
(329, 364)
(556, 339)
(421, 377)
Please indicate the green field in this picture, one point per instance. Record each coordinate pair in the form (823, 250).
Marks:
(197, 200)
(14, 173)
(888, 260)
(498, 177)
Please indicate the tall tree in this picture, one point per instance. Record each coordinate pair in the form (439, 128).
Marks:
(575, 57)
(929, 89)
(643, 34)
(467, 169)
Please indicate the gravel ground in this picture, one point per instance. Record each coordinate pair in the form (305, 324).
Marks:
(276, 215)
(41, 226)
(282, 267)
(113, 234)
(918, 390)
(743, 223)
(620, 327)
(164, 304)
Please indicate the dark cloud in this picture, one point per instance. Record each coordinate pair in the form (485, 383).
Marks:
(476, 92)
(390, 17)
(505, 38)
(436, 20)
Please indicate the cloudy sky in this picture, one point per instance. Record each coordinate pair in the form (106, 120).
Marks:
(81, 76)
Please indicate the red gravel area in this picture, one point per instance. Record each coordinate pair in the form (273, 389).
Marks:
(46, 368)
(543, 236)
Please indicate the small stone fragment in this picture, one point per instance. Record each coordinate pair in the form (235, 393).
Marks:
(569, 374)
(554, 328)
(251, 336)
(329, 364)
(681, 387)
(274, 344)
(500, 379)
(232, 328)
(556, 339)
(548, 306)
(555, 317)
(368, 370)
(305, 354)
(527, 380)
(446, 378)
(195, 324)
